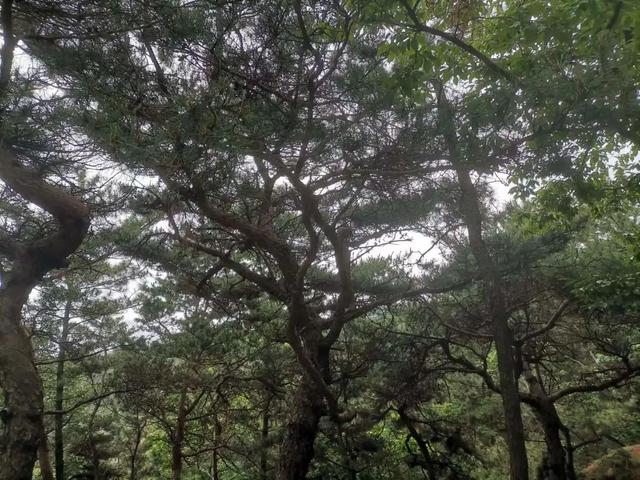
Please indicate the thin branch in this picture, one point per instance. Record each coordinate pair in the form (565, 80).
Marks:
(88, 401)
(615, 382)
(548, 326)
(493, 66)
(162, 80)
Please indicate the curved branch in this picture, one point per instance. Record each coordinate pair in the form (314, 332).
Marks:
(30, 186)
(611, 383)
(37, 257)
(549, 325)
(490, 64)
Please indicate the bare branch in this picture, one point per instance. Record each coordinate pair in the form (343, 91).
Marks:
(614, 382)
(548, 326)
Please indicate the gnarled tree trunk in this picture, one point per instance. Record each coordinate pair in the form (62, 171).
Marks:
(557, 464)
(21, 416)
(22, 429)
(297, 449)
(312, 398)
(554, 467)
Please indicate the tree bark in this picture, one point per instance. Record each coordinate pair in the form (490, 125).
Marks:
(557, 464)
(497, 308)
(22, 427)
(133, 465)
(176, 459)
(22, 430)
(554, 465)
(178, 438)
(22, 414)
(569, 449)
(313, 398)
(264, 467)
(297, 449)
(422, 446)
(503, 336)
(58, 447)
(46, 472)
(215, 469)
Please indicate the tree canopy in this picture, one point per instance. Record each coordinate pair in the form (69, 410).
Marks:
(319, 239)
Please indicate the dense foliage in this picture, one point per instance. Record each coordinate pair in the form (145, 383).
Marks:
(322, 239)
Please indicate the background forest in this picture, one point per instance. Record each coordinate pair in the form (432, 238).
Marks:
(319, 239)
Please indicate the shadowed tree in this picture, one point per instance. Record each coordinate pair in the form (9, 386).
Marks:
(30, 248)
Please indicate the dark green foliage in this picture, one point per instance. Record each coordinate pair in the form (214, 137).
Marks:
(280, 220)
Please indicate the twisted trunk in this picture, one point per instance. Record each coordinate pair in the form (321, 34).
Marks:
(22, 429)
(310, 401)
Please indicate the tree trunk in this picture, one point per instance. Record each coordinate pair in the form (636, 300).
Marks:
(215, 469)
(133, 470)
(22, 430)
(502, 333)
(178, 438)
(176, 456)
(497, 308)
(557, 463)
(510, 395)
(296, 452)
(58, 443)
(571, 469)
(22, 427)
(554, 467)
(312, 398)
(264, 468)
(46, 472)
(23, 404)
(422, 446)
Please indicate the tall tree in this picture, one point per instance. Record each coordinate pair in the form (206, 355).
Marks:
(30, 253)
(260, 171)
